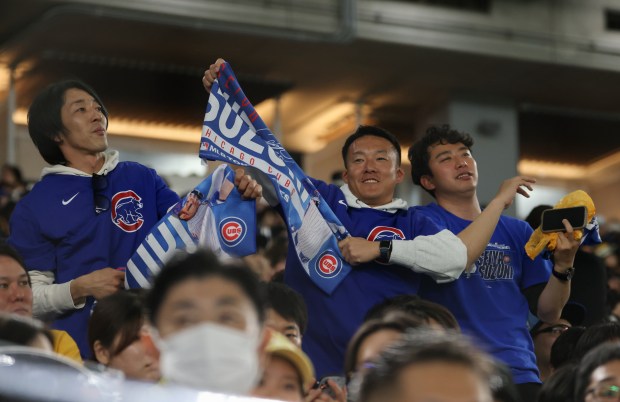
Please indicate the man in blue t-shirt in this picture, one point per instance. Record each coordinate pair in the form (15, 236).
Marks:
(491, 302)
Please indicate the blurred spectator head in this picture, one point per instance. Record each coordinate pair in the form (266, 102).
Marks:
(15, 289)
(11, 176)
(260, 266)
(545, 334)
(5, 217)
(45, 123)
(288, 372)
(598, 376)
(120, 338)
(433, 314)
(25, 331)
(534, 218)
(374, 336)
(596, 335)
(428, 366)
(276, 252)
(286, 312)
(560, 387)
(563, 348)
(210, 322)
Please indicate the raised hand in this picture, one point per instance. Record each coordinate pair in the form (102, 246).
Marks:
(211, 74)
(247, 186)
(511, 187)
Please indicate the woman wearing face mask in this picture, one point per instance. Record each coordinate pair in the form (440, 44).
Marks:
(209, 318)
(120, 338)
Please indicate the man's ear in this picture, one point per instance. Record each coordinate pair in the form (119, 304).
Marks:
(400, 174)
(57, 139)
(427, 182)
(345, 176)
(102, 355)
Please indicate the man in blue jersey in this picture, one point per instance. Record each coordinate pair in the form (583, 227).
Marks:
(380, 226)
(490, 302)
(82, 222)
(89, 212)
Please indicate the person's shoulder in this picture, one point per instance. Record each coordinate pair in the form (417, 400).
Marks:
(431, 210)
(131, 165)
(515, 222)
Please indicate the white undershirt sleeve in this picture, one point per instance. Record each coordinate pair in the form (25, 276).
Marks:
(442, 256)
(49, 298)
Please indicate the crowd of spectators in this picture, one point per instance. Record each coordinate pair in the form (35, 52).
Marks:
(237, 327)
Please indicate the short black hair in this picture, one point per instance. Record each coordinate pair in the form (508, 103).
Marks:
(596, 335)
(413, 305)
(399, 322)
(563, 347)
(363, 131)
(560, 387)
(45, 120)
(595, 358)
(122, 313)
(421, 347)
(287, 303)
(8, 251)
(419, 155)
(199, 265)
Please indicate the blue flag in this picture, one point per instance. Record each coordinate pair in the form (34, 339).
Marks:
(234, 132)
(213, 216)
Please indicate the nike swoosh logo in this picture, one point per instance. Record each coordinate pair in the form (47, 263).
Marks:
(343, 203)
(65, 202)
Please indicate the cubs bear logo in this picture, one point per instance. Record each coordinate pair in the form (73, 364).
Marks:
(232, 231)
(379, 233)
(125, 211)
(328, 265)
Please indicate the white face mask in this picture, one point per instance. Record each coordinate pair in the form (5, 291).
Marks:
(211, 357)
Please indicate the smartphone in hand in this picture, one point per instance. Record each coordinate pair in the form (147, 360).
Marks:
(552, 218)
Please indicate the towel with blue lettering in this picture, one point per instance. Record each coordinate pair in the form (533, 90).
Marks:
(234, 132)
(213, 216)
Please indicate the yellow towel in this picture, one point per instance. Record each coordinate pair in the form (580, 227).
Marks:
(539, 240)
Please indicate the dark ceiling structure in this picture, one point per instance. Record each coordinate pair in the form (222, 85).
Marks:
(147, 69)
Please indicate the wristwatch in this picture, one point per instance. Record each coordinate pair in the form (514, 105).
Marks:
(385, 251)
(564, 276)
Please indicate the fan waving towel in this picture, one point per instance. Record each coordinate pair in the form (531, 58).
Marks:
(234, 132)
(213, 216)
(589, 235)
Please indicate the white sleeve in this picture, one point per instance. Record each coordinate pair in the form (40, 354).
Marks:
(49, 298)
(442, 256)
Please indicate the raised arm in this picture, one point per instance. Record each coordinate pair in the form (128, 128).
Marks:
(443, 256)
(557, 291)
(476, 236)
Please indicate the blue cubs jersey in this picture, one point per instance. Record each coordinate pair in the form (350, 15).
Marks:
(333, 319)
(55, 228)
(488, 302)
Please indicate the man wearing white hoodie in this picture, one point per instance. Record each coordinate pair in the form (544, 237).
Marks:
(89, 212)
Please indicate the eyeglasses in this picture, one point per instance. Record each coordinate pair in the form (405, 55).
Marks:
(100, 183)
(554, 329)
(605, 392)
